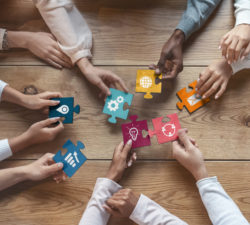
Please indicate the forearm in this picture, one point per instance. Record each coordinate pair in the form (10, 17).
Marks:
(18, 39)
(148, 212)
(9, 94)
(220, 207)
(68, 26)
(196, 14)
(19, 143)
(12, 176)
(94, 213)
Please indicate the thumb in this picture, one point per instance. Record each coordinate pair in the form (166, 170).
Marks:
(160, 65)
(178, 151)
(127, 148)
(52, 169)
(185, 140)
(111, 211)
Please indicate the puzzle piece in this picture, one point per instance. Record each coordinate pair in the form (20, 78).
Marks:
(114, 105)
(134, 130)
(64, 109)
(189, 100)
(73, 159)
(145, 82)
(165, 132)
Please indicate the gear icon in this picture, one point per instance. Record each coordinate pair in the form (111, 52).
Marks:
(120, 99)
(113, 105)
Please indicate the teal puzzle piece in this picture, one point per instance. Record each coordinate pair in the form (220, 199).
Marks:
(114, 105)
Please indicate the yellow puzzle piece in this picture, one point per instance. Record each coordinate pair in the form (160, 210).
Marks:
(145, 82)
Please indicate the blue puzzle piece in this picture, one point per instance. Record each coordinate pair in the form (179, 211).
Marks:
(73, 159)
(114, 105)
(64, 109)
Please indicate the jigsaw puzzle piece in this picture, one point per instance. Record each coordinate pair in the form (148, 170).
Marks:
(189, 100)
(64, 109)
(73, 159)
(165, 132)
(145, 82)
(134, 131)
(114, 105)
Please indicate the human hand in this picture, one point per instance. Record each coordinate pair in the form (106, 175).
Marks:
(101, 78)
(43, 168)
(41, 101)
(214, 77)
(236, 43)
(171, 60)
(186, 152)
(43, 131)
(122, 203)
(122, 158)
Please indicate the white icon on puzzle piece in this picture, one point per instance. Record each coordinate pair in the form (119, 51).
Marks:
(64, 109)
(146, 82)
(168, 130)
(133, 132)
(113, 105)
(192, 100)
(70, 159)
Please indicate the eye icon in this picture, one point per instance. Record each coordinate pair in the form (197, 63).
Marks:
(64, 109)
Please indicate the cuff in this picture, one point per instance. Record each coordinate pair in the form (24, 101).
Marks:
(187, 25)
(81, 54)
(240, 65)
(242, 17)
(107, 184)
(50, 5)
(5, 150)
(2, 86)
(205, 181)
(2, 31)
(138, 213)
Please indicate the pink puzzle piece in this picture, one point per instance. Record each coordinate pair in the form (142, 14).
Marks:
(165, 132)
(134, 130)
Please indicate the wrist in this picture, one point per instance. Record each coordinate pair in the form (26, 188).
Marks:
(113, 176)
(18, 39)
(84, 65)
(25, 173)
(179, 36)
(201, 173)
(20, 142)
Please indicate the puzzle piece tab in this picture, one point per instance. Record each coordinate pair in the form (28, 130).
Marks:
(134, 130)
(114, 105)
(64, 109)
(165, 132)
(189, 100)
(145, 82)
(73, 159)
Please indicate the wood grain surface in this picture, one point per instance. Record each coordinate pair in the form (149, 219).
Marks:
(128, 35)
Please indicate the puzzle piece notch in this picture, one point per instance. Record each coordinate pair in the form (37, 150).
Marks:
(73, 158)
(165, 132)
(114, 105)
(134, 130)
(189, 100)
(64, 109)
(146, 82)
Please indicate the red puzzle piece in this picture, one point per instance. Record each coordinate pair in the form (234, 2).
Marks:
(165, 132)
(134, 130)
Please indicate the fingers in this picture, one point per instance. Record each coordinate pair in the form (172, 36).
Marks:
(111, 211)
(100, 84)
(152, 67)
(52, 63)
(185, 140)
(52, 169)
(49, 121)
(225, 45)
(48, 95)
(127, 148)
(246, 52)
(204, 76)
(160, 65)
(178, 150)
(231, 51)
(222, 90)
(175, 70)
(123, 85)
(223, 39)
(205, 81)
(56, 130)
(214, 87)
(60, 58)
(238, 50)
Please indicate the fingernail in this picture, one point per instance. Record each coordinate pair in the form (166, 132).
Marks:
(219, 47)
(242, 58)
(130, 163)
(204, 96)
(129, 142)
(57, 102)
(216, 97)
(198, 96)
(198, 79)
(60, 165)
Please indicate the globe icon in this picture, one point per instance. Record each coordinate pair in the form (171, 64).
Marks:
(146, 82)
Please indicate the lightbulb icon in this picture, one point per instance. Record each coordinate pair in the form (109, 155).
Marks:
(133, 133)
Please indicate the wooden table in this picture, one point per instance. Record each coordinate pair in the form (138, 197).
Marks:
(128, 35)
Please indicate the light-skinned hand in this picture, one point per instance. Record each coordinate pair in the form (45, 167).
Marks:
(214, 79)
(122, 203)
(186, 152)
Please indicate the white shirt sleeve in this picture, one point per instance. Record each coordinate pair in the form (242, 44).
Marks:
(220, 207)
(2, 31)
(240, 65)
(242, 11)
(148, 212)
(94, 213)
(2, 86)
(68, 26)
(5, 150)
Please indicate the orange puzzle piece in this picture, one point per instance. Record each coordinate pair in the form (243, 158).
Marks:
(145, 82)
(189, 100)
